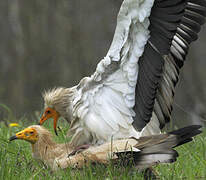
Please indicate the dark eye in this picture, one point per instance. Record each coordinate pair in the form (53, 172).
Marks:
(48, 112)
(31, 132)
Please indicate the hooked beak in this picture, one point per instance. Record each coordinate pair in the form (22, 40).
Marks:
(13, 138)
(55, 126)
(43, 119)
(53, 114)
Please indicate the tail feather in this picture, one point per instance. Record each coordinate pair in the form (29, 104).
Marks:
(185, 134)
(159, 148)
(144, 160)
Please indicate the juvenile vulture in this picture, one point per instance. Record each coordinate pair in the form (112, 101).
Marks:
(143, 152)
(131, 92)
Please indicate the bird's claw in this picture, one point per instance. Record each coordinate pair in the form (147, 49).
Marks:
(79, 149)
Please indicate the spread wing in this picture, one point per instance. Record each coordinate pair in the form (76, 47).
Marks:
(139, 73)
(174, 25)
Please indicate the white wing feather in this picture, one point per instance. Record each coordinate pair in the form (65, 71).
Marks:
(104, 101)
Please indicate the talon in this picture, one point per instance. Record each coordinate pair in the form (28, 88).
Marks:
(79, 149)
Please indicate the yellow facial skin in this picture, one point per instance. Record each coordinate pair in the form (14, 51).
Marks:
(50, 113)
(28, 134)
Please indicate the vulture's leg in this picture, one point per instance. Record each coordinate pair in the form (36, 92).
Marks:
(79, 149)
(150, 174)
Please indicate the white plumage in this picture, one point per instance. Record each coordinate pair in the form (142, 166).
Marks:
(104, 107)
(123, 93)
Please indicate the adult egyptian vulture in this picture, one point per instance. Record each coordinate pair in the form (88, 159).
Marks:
(131, 92)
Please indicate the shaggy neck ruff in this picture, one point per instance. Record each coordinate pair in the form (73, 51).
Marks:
(46, 149)
(60, 99)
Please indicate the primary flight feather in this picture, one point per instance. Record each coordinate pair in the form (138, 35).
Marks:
(131, 92)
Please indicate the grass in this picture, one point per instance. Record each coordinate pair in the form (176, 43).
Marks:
(16, 161)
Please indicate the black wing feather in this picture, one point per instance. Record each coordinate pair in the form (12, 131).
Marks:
(174, 24)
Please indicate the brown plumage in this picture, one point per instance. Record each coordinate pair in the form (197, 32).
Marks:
(144, 152)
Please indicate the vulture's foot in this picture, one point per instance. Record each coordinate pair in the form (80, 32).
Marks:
(79, 149)
(150, 174)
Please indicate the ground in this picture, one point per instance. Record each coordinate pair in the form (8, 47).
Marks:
(16, 161)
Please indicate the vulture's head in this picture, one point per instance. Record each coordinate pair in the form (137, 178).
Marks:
(32, 134)
(57, 103)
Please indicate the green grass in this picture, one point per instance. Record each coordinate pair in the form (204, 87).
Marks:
(16, 161)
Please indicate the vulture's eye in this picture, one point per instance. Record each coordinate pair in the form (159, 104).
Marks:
(31, 132)
(48, 112)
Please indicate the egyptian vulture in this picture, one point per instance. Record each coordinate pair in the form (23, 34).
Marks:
(144, 152)
(131, 92)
